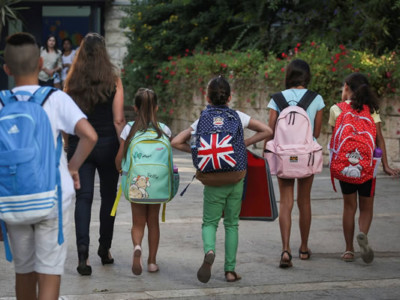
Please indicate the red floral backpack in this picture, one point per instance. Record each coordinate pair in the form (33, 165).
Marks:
(352, 146)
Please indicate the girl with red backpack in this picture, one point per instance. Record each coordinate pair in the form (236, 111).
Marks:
(359, 101)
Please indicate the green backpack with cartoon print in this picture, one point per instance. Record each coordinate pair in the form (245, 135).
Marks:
(148, 175)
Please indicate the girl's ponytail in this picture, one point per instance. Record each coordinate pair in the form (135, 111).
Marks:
(362, 93)
(146, 115)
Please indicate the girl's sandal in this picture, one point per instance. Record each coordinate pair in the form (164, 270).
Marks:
(137, 260)
(152, 268)
(348, 256)
(285, 263)
(233, 278)
(307, 254)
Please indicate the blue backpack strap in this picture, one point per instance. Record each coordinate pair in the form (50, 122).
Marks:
(59, 190)
(7, 96)
(42, 94)
(40, 97)
(7, 249)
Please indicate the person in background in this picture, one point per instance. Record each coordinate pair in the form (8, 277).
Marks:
(68, 55)
(52, 63)
(94, 83)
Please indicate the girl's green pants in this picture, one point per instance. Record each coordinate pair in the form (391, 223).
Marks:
(220, 200)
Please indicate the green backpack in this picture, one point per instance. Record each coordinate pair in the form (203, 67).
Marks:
(148, 175)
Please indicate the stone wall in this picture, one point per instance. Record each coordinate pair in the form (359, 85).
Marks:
(257, 108)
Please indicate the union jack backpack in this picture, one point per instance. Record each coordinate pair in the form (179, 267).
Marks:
(293, 152)
(352, 146)
(217, 146)
(30, 182)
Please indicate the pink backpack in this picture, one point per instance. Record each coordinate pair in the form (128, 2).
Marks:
(352, 146)
(293, 153)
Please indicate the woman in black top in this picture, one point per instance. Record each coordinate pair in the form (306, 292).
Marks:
(93, 82)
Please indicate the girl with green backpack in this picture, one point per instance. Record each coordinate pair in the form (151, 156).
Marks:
(145, 163)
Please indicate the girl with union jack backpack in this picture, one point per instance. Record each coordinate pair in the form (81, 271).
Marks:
(359, 101)
(220, 197)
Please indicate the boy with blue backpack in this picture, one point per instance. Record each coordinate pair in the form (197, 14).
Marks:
(36, 183)
(219, 154)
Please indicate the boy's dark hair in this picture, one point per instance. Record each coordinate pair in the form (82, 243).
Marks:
(297, 74)
(21, 54)
(218, 90)
(362, 93)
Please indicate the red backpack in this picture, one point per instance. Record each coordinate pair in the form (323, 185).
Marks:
(352, 146)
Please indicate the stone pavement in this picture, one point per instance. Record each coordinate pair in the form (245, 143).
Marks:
(180, 254)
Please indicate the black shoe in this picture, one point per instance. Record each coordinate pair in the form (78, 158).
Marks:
(104, 254)
(83, 254)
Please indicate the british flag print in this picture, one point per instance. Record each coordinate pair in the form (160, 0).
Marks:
(216, 152)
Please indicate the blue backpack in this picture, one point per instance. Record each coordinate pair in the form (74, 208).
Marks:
(30, 182)
(218, 146)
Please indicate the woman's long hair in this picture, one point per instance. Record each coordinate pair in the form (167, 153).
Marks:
(146, 115)
(362, 93)
(92, 77)
(55, 44)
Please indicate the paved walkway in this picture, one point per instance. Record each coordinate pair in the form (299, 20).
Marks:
(180, 254)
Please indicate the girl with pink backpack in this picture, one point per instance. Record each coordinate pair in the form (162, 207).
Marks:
(297, 78)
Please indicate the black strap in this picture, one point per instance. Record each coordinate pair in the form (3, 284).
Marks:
(280, 100)
(307, 99)
(304, 102)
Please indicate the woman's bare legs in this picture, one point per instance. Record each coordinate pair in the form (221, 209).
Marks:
(366, 205)
(153, 225)
(286, 190)
(304, 205)
(349, 212)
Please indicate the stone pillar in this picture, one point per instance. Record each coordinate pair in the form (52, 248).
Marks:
(114, 35)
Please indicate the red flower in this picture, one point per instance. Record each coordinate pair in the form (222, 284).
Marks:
(283, 55)
(170, 57)
(224, 65)
(248, 100)
(342, 47)
(187, 71)
(298, 45)
(312, 44)
(266, 74)
(171, 111)
(230, 76)
(173, 63)
(283, 70)
(296, 50)
(132, 61)
(147, 76)
(333, 69)
(187, 50)
(166, 81)
(172, 73)
(388, 74)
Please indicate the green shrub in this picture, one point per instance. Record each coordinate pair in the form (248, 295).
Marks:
(250, 73)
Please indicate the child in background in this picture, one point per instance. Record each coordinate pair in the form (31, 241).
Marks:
(225, 199)
(38, 259)
(356, 91)
(297, 78)
(142, 214)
